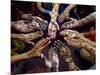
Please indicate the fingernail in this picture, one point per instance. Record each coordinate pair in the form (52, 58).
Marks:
(49, 41)
(65, 38)
(58, 40)
(55, 41)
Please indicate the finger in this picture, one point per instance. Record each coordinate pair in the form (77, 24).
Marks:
(53, 49)
(43, 42)
(57, 43)
(64, 32)
(64, 25)
(61, 43)
(43, 47)
(57, 46)
(60, 20)
(39, 42)
(37, 51)
(42, 55)
(72, 42)
(68, 40)
(31, 43)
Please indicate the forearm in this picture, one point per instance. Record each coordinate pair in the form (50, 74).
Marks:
(54, 12)
(90, 49)
(19, 57)
(91, 35)
(87, 45)
(87, 41)
(39, 6)
(69, 8)
(27, 16)
(86, 55)
(28, 36)
(71, 64)
(90, 19)
(13, 35)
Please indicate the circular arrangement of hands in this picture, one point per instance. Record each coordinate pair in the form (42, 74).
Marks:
(71, 37)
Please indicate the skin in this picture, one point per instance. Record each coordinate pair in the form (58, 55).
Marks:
(36, 51)
(79, 23)
(19, 45)
(91, 34)
(72, 23)
(87, 56)
(29, 24)
(53, 58)
(65, 13)
(66, 54)
(27, 16)
(52, 61)
(52, 30)
(21, 26)
(53, 26)
(40, 8)
(27, 37)
(74, 38)
(87, 47)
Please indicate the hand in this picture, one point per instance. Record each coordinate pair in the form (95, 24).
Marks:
(72, 23)
(27, 16)
(27, 37)
(39, 47)
(28, 26)
(64, 50)
(66, 54)
(53, 58)
(52, 29)
(36, 51)
(63, 16)
(70, 33)
(39, 24)
(73, 67)
(71, 37)
(23, 26)
(75, 39)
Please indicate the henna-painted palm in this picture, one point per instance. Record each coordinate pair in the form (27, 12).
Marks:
(53, 26)
(75, 39)
(36, 23)
(66, 54)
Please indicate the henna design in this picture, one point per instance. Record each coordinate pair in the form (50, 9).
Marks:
(28, 26)
(28, 37)
(65, 14)
(75, 39)
(53, 26)
(66, 54)
(53, 58)
(79, 23)
(39, 47)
